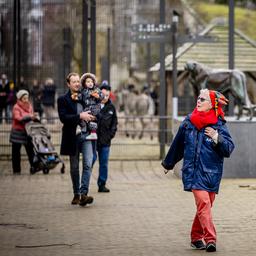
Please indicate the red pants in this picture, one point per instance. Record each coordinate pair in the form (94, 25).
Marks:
(203, 227)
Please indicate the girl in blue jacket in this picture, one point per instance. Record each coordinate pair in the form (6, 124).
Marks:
(203, 140)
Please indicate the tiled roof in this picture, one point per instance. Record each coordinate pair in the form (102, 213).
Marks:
(215, 55)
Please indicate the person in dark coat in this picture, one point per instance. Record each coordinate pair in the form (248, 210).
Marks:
(4, 93)
(23, 85)
(48, 99)
(36, 95)
(107, 127)
(72, 144)
(202, 141)
(11, 100)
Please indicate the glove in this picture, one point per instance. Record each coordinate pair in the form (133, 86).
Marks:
(74, 96)
(95, 94)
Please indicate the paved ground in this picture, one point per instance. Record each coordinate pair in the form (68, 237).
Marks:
(146, 213)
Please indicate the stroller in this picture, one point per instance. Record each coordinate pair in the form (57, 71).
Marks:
(45, 156)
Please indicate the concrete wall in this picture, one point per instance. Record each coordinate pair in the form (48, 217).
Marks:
(242, 163)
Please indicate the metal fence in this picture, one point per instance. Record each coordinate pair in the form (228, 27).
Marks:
(129, 143)
(43, 38)
(36, 40)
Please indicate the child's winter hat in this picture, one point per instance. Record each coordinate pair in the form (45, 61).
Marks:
(88, 75)
(21, 93)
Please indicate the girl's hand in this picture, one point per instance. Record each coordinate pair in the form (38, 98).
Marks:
(95, 94)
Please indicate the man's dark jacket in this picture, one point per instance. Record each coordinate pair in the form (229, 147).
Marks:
(4, 92)
(67, 109)
(48, 95)
(107, 124)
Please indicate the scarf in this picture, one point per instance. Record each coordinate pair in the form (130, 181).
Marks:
(202, 119)
(26, 106)
(217, 99)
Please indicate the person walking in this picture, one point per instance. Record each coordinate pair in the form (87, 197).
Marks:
(72, 144)
(21, 114)
(11, 100)
(203, 140)
(36, 95)
(4, 93)
(107, 127)
(48, 99)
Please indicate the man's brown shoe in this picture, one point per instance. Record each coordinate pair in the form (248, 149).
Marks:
(76, 199)
(84, 200)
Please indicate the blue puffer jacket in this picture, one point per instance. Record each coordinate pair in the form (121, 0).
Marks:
(203, 159)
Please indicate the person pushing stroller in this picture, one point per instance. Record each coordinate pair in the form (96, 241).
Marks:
(89, 99)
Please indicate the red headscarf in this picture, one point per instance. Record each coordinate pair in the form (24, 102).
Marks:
(218, 100)
(202, 119)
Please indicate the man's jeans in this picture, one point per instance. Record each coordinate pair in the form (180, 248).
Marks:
(103, 153)
(85, 147)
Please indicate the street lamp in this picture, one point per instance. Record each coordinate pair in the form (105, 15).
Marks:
(175, 20)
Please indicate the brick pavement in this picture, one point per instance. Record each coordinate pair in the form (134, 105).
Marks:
(146, 213)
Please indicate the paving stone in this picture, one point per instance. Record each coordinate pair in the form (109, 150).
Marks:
(146, 213)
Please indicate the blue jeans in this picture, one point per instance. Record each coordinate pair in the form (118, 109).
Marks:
(85, 147)
(103, 153)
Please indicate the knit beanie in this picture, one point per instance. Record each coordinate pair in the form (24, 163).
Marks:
(105, 85)
(21, 93)
(88, 75)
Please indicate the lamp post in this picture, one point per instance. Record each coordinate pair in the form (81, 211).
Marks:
(231, 63)
(66, 52)
(175, 20)
(93, 37)
(160, 33)
(14, 40)
(108, 55)
(85, 37)
(162, 103)
(86, 4)
(105, 60)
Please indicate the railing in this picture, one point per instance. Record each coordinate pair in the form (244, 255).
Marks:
(137, 137)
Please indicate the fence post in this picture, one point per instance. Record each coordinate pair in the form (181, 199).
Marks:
(162, 107)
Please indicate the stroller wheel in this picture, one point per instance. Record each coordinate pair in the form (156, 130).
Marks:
(45, 171)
